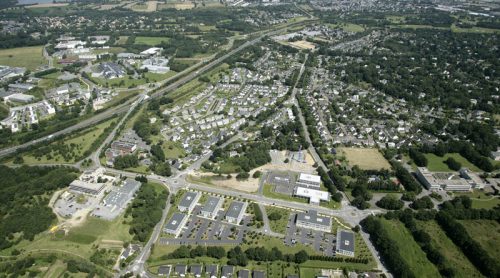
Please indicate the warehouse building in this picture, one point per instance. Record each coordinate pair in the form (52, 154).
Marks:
(211, 207)
(79, 186)
(311, 220)
(235, 212)
(189, 201)
(345, 243)
(307, 180)
(314, 196)
(175, 224)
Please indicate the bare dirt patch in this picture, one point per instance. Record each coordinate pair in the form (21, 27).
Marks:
(303, 45)
(365, 158)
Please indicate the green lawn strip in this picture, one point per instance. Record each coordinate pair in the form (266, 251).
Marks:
(278, 226)
(480, 200)
(409, 249)
(486, 233)
(152, 41)
(454, 256)
(436, 163)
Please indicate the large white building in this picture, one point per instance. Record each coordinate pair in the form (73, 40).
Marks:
(314, 196)
(156, 65)
(442, 181)
(307, 180)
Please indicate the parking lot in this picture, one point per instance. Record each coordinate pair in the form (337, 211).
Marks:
(283, 182)
(319, 241)
(200, 230)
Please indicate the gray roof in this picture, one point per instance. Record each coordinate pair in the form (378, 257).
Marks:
(180, 268)
(234, 209)
(211, 269)
(227, 269)
(188, 199)
(345, 240)
(313, 218)
(258, 274)
(211, 204)
(175, 221)
(164, 270)
(195, 269)
(243, 273)
(129, 186)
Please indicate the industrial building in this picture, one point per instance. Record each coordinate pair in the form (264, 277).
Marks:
(235, 212)
(211, 207)
(156, 65)
(175, 224)
(442, 181)
(311, 220)
(117, 200)
(189, 201)
(345, 243)
(83, 187)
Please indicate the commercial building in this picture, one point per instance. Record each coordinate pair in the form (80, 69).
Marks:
(211, 207)
(156, 65)
(175, 224)
(314, 196)
(189, 201)
(83, 187)
(307, 180)
(109, 71)
(472, 178)
(235, 212)
(152, 51)
(311, 220)
(117, 200)
(345, 243)
(124, 147)
(19, 97)
(442, 181)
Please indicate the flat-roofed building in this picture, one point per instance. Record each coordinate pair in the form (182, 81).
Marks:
(124, 147)
(427, 179)
(211, 270)
(235, 212)
(314, 196)
(189, 201)
(472, 178)
(258, 274)
(175, 224)
(307, 180)
(78, 186)
(244, 273)
(196, 270)
(345, 243)
(442, 180)
(164, 270)
(311, 220)
(227, 271)
(211, 207)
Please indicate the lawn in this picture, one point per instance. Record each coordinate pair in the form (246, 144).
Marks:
(173, 150)
(453, 255)
(365, 158)
(278, 226)
(480, 200)
(436, 163)
(486, 233)
(4, 111)
(409, 249)
(150, 40)
(26, 57)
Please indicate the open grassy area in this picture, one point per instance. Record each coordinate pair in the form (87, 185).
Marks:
(80, 240)
(481, 200)
(28, 57)
(81, 142)
(365, 158)
(409, 249)
(279, 225)
(454, 256)
(486, 233)
(436, 163)
(150, 40)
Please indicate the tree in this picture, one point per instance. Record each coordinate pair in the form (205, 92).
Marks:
(18, 160)
(301, 257)
(390, 202)
(274, 216)
(422, 203)
(257, 174)
(418, 157)
(453, 164)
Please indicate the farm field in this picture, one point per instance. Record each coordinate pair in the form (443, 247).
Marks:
(436, 163)
(365, 158)
(409, 249)
(27, 57)
(486, 233)
(453, 255)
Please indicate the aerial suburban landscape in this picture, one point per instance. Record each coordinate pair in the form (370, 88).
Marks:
(249, 139)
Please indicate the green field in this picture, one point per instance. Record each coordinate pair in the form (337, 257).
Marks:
(486, 233)
(409, 249)
(454, 256)
(26, 57)
(480, 200)
(436, 163)
(150, 40)
(278, 226)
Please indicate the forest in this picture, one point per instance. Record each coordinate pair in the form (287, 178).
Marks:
(24, 198)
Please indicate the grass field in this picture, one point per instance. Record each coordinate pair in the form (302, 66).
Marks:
(454, 256)
(82, 141)
(436, 163)
(26, 57)
(278, 226)
(150, 40)
(366, 159)
(480, 200)
(409, 249)
(486, 233)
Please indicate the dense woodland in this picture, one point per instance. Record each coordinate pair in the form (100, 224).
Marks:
(24, 198)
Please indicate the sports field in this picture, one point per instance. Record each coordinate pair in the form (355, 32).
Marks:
(27, 57)
(150, 40)
(365, 158)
